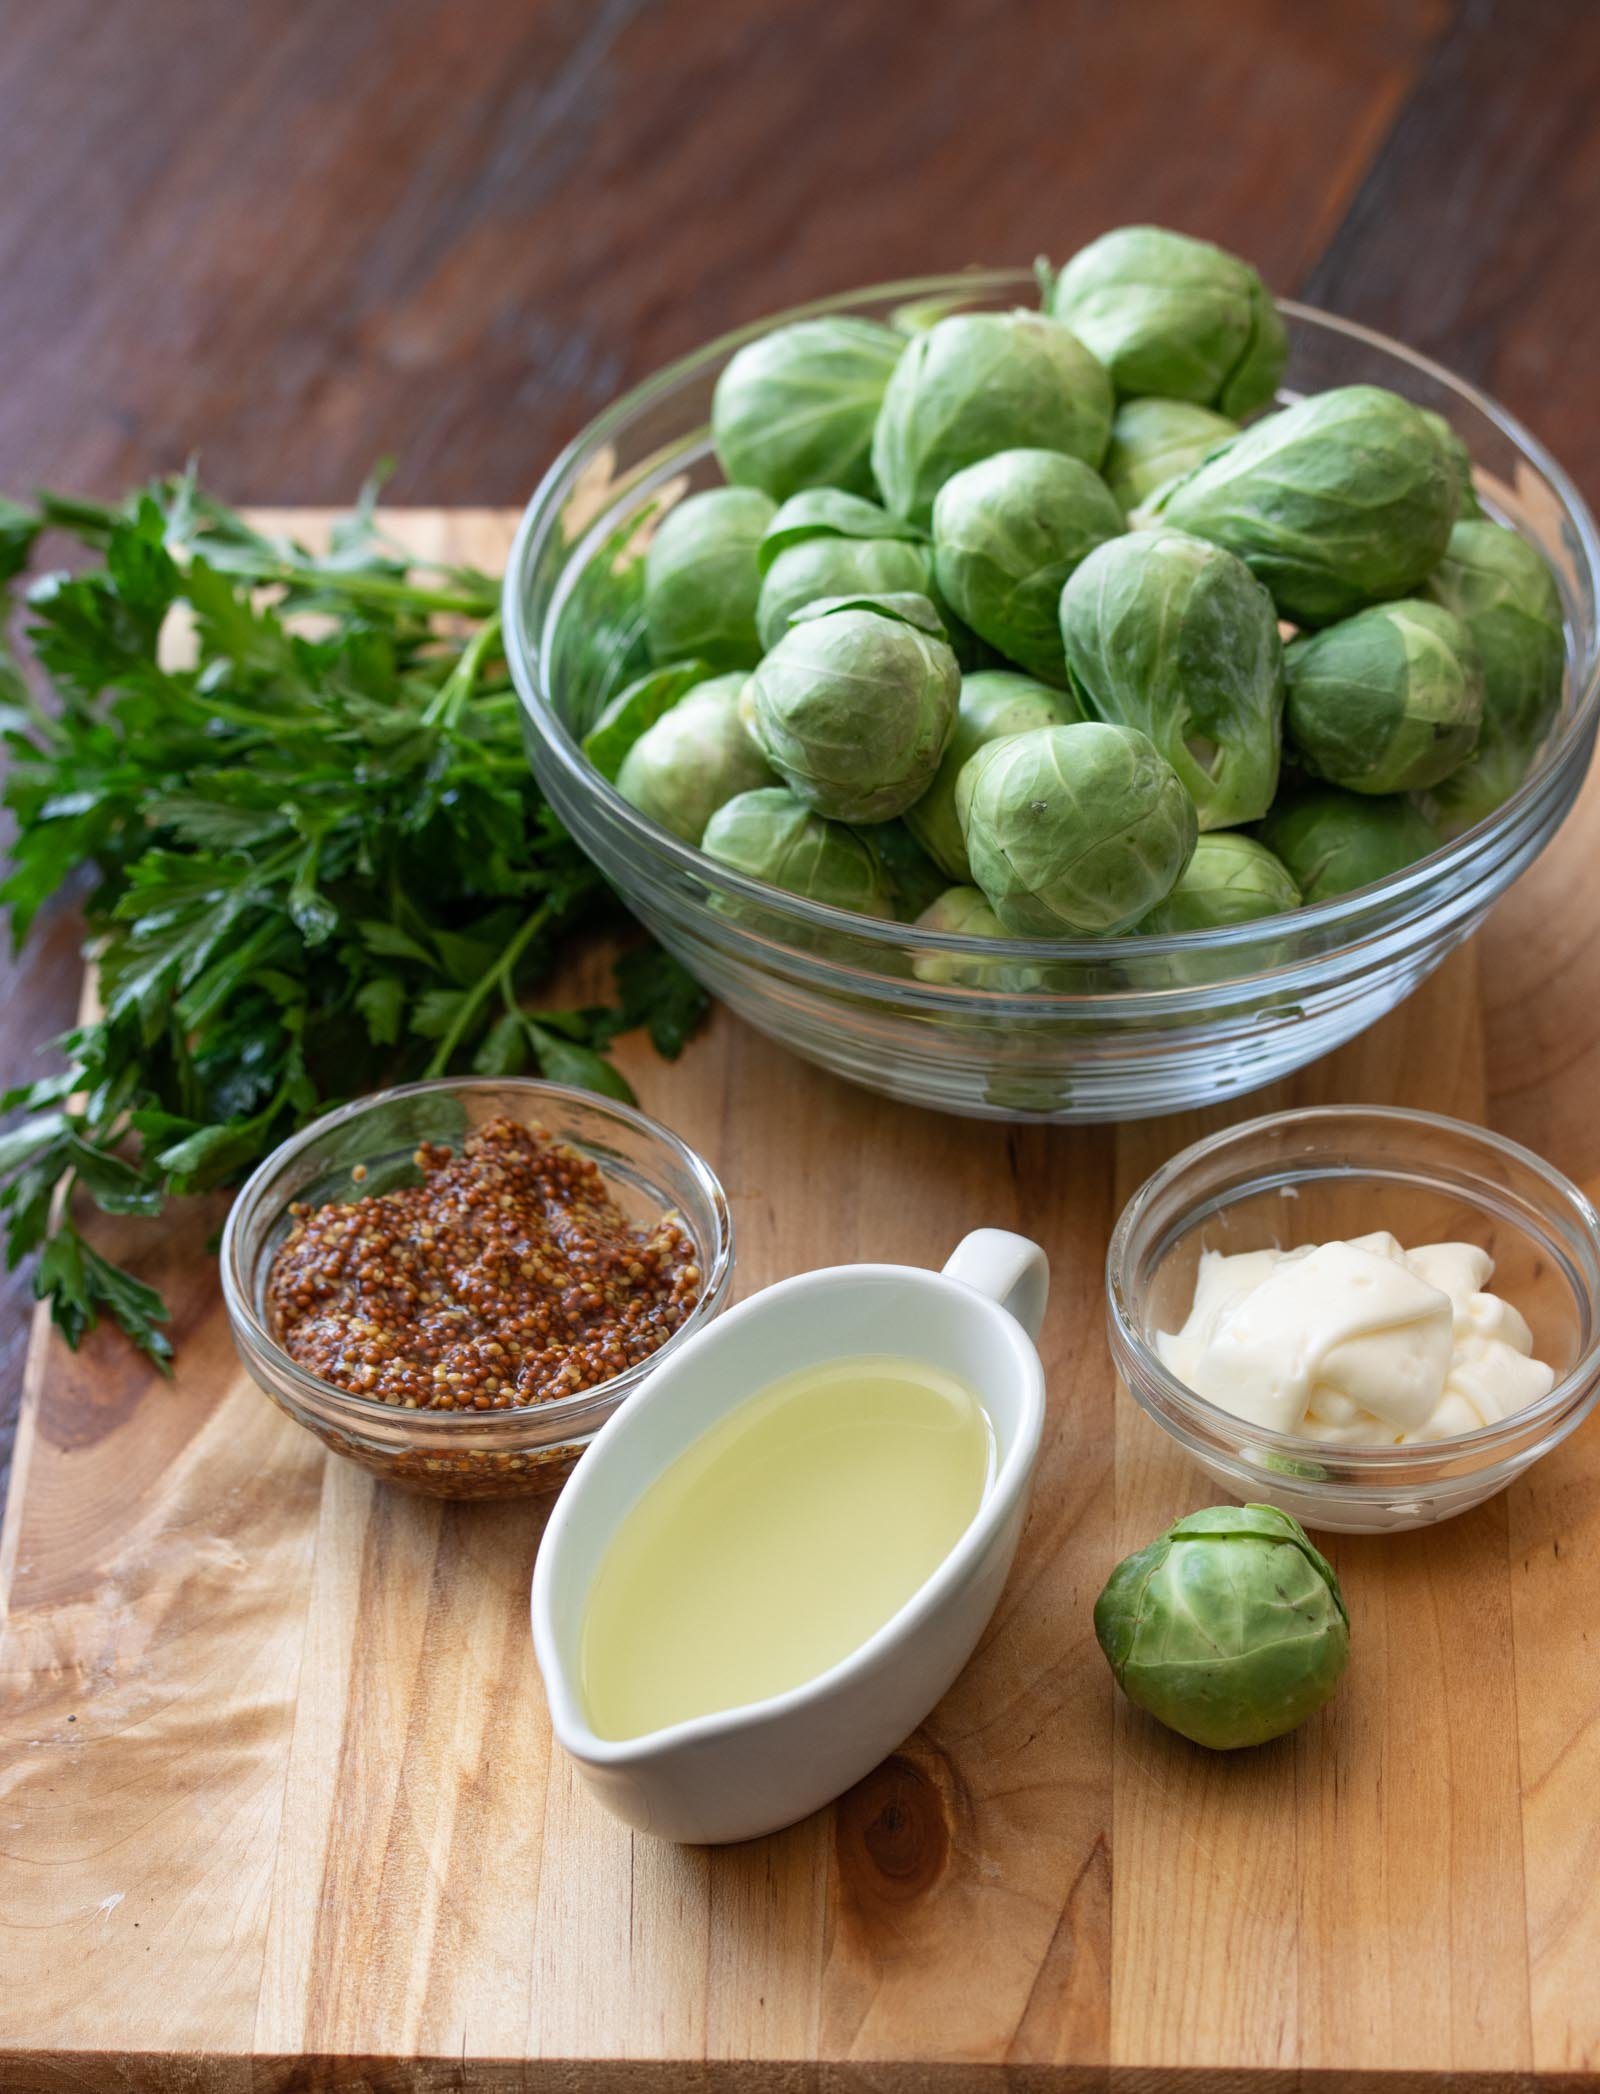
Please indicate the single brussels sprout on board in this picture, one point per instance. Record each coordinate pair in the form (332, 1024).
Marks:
(1176, 637)
(1502, 590)
(796, 407)
(1153, 441)
(1334, 842)
(965, 913)
(1076, 830)
(978, 383)
(1230, 879)
(701, 579)
(1007, 532)
(1171, 315)
(770, 835)
(993, 702)
(1388, 701)
(1230, 1628)
(1344, 499)
(696, 757)
(855, 704)
(914, 880)
(1454, 445)
(826, 543)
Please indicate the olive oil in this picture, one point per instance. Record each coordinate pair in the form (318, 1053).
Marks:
(781, 1540)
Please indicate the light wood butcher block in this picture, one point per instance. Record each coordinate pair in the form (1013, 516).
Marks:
(279, 1807)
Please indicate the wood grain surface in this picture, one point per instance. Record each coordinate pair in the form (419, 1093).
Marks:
(279, 1807)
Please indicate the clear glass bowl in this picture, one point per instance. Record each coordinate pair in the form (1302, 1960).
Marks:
(524, 1452)
(1116, 1027)
(1341, 1171)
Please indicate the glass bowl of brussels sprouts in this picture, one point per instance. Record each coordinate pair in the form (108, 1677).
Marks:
(1331, 1173)
(1022, 744)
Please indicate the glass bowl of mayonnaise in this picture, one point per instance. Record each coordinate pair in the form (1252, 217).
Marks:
(1368, 1317)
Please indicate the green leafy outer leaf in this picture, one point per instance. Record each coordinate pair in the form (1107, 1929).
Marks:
(829, 512)
(634, 710)
(906, 606)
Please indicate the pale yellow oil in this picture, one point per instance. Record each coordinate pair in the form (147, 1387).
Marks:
(781, 1540)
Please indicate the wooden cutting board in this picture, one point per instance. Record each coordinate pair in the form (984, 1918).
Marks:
(279, 1807)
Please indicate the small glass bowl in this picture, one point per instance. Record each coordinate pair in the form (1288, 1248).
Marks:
(525, 1452)
(1342, 1171)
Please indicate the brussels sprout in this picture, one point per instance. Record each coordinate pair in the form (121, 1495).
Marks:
(826, 543)
(796, 407)
(1230, 879)
(701, 579)
(1334, 842)
(1076, 829)
(772, 836)
(1007, 532)
(1168, 634)
(1342, 500)
(1152, 441)
(854, 705)
(993, 702)
(915, 880)
(694, 759)
(1170, 315)
(1230, 1629)
(1500, 588)
(978, 383)
(1454, 445)
(1388, 701)
(964, 912)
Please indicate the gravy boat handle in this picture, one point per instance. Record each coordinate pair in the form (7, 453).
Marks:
(1009, 1269)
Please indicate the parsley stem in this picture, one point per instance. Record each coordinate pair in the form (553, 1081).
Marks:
(500, 974)
(365, 588)
(444, 708)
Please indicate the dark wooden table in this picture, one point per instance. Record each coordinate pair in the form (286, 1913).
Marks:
(296, 236)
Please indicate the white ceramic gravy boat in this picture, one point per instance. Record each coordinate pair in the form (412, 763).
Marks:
(750, 1770)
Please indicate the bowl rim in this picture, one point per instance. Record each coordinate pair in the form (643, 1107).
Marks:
(526, 654)
(603, 1397)
(1505, 1435)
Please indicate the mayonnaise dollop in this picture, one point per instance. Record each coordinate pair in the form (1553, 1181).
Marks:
(1358, 1344)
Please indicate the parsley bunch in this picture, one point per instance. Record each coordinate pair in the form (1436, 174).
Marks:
(320, 860)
